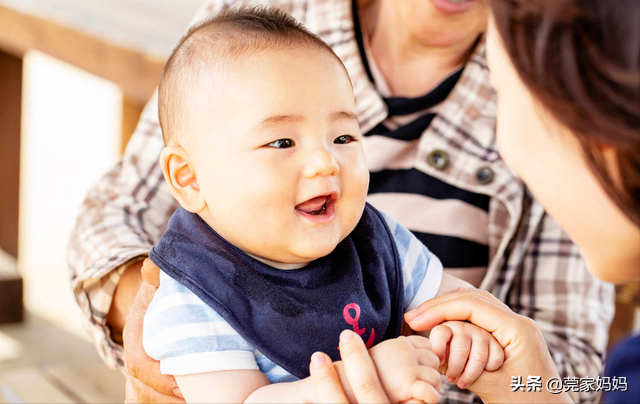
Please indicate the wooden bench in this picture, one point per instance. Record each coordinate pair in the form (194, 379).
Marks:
(11, 309)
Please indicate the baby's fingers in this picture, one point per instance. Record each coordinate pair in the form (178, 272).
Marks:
(477, 360)
(440, 337)
(428, 358)
(496, 355)
(421, 390)
(419, 342)
(431, 376)
(459, 350)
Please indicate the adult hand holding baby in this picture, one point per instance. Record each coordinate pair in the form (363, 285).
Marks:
(359, 371)
(405, 373)
(465, 351)
(145, 383)
(525, 351)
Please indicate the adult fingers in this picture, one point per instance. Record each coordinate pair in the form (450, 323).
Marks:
(360, 369)
(459, 349)
(130, 396)
(496, 355)
(326, 381)
(138, 364)
(411, 315)
(151, 273)
(477, 307)
(440, 337)
(477, 360)
(424, 391)
(146, 394)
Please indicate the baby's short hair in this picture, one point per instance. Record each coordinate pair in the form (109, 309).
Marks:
(220, 38)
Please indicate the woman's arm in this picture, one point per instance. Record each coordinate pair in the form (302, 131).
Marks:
(526, 353)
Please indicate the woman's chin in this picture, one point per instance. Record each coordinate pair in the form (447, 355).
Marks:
(616, 269)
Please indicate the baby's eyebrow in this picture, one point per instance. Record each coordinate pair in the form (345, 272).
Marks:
(276, 120)
(343, 115)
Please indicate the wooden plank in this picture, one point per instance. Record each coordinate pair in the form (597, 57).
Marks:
(147, 26)
(135, 72)
(94, 384)
(29, 385)
(10, 106)
(131, 111)
(11, 308)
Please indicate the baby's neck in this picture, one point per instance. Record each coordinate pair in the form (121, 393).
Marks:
(278, 265)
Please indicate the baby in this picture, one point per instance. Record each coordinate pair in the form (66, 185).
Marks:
(273, 250)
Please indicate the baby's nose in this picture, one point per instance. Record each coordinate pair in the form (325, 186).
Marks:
(321, 163)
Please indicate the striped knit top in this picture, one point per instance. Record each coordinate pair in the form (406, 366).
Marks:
(422, 203)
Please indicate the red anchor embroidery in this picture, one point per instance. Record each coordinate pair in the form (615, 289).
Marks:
(353, 321)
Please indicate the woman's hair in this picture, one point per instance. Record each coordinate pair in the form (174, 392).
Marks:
(581, 61)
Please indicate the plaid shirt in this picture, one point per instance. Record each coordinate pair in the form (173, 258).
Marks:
(534, 267)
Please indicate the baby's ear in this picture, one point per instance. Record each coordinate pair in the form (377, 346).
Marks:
(181, 178)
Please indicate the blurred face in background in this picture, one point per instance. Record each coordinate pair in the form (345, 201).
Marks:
(442, 23)
(549, 160)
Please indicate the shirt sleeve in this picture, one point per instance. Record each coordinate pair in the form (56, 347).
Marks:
(187, 336)
(421, 270)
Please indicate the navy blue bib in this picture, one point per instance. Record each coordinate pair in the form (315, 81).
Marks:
(289, 314)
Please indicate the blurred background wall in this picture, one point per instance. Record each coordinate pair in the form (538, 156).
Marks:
(71, 123)
(74, 77)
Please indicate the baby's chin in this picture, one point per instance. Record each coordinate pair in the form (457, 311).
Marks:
(296, 258)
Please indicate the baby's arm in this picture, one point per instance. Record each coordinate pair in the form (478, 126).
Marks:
(210, 361)
(238, 386)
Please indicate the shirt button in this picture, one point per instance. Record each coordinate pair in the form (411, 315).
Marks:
(438, 159)
(484, 175)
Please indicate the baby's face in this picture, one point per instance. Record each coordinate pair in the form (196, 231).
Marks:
(278, 155)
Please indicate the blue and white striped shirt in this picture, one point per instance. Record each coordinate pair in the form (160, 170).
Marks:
(187, 336)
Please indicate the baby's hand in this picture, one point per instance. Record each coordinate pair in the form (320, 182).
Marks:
(465, 344)
(407, 369)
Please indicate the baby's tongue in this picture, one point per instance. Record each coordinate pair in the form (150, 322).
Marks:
(312, 205)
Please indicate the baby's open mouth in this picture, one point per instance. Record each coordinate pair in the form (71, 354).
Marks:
(315, 206)
(319, 209)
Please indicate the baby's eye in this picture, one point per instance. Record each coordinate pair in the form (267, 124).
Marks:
(281, 143)
(344, 139)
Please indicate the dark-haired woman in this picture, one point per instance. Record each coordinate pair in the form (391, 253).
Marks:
(567, 75)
